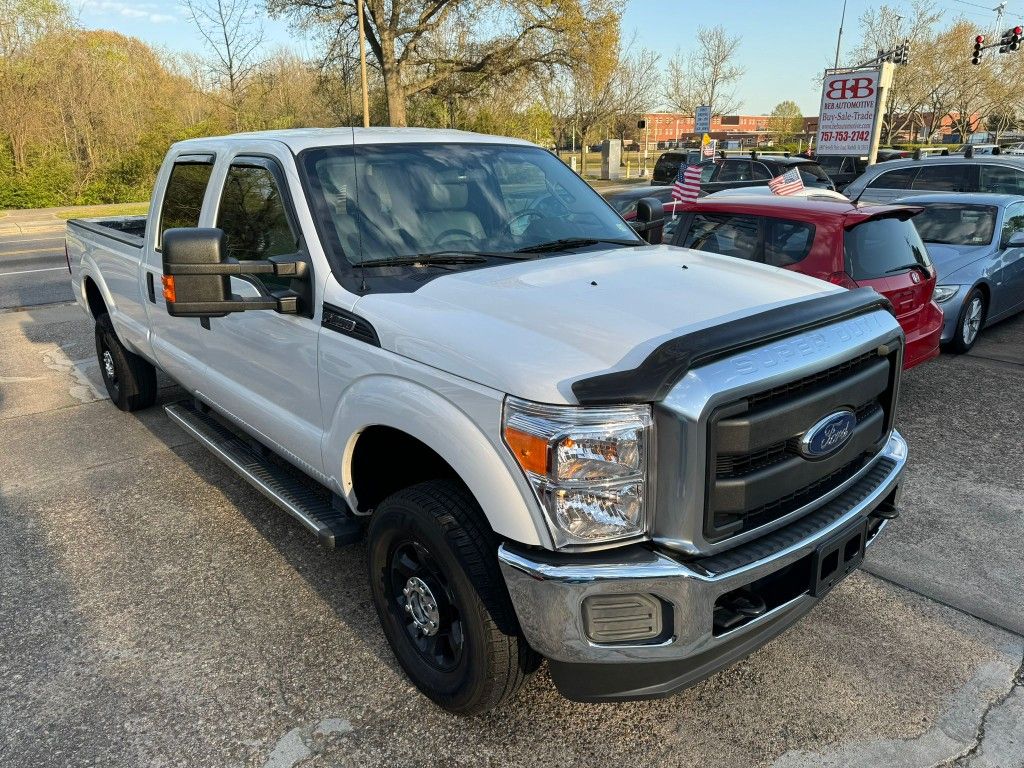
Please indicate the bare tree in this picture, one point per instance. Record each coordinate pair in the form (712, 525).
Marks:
(234, 37)
(635, 88)
(707, 75)
(418, 45)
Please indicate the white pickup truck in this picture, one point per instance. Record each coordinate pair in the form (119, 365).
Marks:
(560, 440)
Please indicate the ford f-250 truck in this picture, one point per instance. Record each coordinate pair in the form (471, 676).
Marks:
(559, 440)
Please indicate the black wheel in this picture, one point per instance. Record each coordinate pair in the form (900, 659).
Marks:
(130, 380)
(441, 599)
(970, 322)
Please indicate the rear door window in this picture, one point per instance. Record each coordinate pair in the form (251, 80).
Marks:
(183, 197)
(833, 163)
(729, 235)
(786, 242)
(950, 177)
(901, 178)
(882, 247)
(1001, 179)
(735, 170)
(811, 173)
(761, 171)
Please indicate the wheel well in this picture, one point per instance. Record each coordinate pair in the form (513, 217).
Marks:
(987, 293)
(94, 298)
(386, 460)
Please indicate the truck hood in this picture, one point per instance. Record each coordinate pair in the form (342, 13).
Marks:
(532, 328)
(949, 258)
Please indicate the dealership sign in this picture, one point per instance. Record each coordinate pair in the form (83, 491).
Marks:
(848, 104)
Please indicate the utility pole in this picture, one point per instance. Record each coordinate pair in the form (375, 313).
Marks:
(999, 9)
(362, 65)
(839, 40)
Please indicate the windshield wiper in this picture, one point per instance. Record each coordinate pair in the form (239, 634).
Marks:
(905, 266)
(573, 242)
(436, 257)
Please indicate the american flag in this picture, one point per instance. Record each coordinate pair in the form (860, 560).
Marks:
(687, 184)
(788, 183)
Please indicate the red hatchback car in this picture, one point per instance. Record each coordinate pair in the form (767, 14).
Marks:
(844, 243)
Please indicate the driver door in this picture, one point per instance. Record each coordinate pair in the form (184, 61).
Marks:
(1010, 296)
(263, 365)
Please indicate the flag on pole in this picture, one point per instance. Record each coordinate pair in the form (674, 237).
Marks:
(687, 183)
(788, 183)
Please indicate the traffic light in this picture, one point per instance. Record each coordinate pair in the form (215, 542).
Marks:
(903, 52)
(979, 41)
(1010, 40)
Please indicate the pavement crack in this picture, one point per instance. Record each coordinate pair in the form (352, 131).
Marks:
(965, 758)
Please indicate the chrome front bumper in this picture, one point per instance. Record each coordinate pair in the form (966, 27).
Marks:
(548, 591)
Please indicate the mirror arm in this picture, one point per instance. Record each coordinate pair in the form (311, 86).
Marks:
(276, 265)
(284, 302)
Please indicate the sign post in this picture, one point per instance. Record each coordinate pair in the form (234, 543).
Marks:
(702, 119)
(852, 108)
(884, 84)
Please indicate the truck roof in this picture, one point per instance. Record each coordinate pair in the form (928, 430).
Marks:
(298, 139)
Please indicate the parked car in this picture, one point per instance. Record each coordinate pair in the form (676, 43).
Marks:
(976, 243)
(843, 169)
(885, 182)
(741, 171)
(1014, 149)
(846, 244)
(449, 343)
(977, 149)
(813, 193)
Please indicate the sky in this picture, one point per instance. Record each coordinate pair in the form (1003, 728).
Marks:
(784, 42)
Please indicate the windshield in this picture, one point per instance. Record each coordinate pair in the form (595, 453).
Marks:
(957, 224)
(399, 201)
(882, 247)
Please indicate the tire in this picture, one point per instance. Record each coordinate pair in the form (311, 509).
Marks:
(467, 654)
(130, 380)
(969, 322)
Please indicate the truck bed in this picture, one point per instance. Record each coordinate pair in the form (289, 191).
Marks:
(130, 230)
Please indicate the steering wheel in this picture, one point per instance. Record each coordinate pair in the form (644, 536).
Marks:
(454, 234)
(528, 214)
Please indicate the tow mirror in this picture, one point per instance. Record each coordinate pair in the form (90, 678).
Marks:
(650, 219)
(196, 276)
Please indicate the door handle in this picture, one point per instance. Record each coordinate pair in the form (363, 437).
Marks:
(150, 289)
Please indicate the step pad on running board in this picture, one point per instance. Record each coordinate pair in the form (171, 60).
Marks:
(312, 505)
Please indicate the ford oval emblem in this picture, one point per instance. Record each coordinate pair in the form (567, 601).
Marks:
(828, 435)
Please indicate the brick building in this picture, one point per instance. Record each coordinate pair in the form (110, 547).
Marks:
(667, 129)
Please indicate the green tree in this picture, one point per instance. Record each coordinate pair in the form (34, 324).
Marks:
(785, 121)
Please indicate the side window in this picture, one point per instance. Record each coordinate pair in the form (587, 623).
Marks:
(901, 178)
(253, 217)
(735, 236)
(1013, 221)
(787, 242)
(183, 197)
(1001, 179)
(706, 172)
(950, 177)
(735, 170)
(761, 171)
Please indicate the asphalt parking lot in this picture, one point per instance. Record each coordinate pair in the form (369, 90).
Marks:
(156, 611)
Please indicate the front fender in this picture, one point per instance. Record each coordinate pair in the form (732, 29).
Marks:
(480, 461)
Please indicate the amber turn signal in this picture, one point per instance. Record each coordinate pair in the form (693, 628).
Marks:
(530, 451)
(168, 281)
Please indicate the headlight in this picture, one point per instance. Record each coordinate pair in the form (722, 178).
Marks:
(588, 466)
(945, 292)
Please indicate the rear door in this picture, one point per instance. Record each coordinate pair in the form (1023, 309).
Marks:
(178, 342)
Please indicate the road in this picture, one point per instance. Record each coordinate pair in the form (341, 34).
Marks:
(157, 611)
(32, 266)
